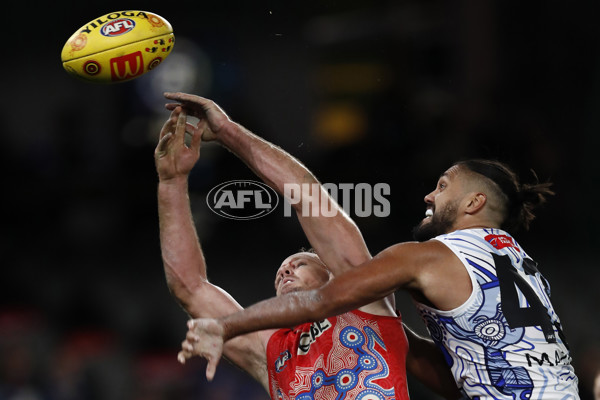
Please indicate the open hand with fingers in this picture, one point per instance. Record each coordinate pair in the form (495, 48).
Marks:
(173, 157)
(204, 339)
(204, 109)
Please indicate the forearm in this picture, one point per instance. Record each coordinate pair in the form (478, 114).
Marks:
(334, 236)
(182, 255)
(342, 294)
(268, 161)
(279, 312)
(376, 279)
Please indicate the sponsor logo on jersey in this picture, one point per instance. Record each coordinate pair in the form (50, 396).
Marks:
(280, 362)
(308, 338)
(500, 241)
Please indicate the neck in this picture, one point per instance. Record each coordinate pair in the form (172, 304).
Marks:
(476, 225)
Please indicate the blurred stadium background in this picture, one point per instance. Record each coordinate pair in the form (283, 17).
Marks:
(361, 91)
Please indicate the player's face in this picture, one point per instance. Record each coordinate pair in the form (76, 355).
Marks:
(301, 271)
(442, 207)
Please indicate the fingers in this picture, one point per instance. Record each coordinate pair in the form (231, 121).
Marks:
(187, 352)
(196, 137)
(183, 355)
(166, 133)
(179, 108)
(168, 125)
(187, 98)
(172, 106)
(195, 105)
(211, 368)
(172, 121)
(191, 337)
(201, 342)
(181, 125)
(161, 148)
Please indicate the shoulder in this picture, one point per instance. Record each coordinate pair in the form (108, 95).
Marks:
(410, 265)
(415, 254)
(440, 277)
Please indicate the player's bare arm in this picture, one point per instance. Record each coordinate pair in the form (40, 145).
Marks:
(183, 260)
(278, 168)
(415, 267)
(336, 239)
(410, 266)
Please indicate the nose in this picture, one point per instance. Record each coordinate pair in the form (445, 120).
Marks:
(429, 198)
(286, 269)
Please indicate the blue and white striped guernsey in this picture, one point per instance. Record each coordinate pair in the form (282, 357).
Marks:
(505, 341)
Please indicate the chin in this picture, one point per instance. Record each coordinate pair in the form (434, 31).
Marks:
(425, 230)
(292, 289)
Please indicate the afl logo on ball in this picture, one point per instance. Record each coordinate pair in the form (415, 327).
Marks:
(242, 199)
(117, 27)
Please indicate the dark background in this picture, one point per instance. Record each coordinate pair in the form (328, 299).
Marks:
(360, 91)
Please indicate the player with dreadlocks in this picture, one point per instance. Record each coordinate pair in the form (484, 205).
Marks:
(480, 294)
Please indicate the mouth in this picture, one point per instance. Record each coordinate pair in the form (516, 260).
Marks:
(429, 213)
(285, 281)
(286, 285)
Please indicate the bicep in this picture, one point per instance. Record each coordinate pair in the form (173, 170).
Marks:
(392, 269)
(337, 241)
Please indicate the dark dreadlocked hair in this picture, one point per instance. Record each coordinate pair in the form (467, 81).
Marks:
(520, 199)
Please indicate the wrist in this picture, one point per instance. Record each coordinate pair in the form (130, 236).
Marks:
(175, 181)
(227, 328)
(230, 134)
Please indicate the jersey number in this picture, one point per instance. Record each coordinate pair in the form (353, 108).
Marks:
(536, 313)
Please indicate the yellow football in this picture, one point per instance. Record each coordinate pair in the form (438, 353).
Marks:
(118, 46)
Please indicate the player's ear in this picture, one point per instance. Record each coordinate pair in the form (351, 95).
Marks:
(475, 202)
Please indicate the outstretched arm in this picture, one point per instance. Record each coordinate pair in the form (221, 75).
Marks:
(396, 267)
(381, 276)
(429, 271)
(183, 259)
(335, 238)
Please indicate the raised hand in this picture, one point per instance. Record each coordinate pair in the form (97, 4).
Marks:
(204, 339)
(203, 109)
(173, 158)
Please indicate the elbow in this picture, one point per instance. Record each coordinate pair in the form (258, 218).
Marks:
(183, 292)
(181, 296)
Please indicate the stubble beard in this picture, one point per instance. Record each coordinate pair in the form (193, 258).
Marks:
(440, 223)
